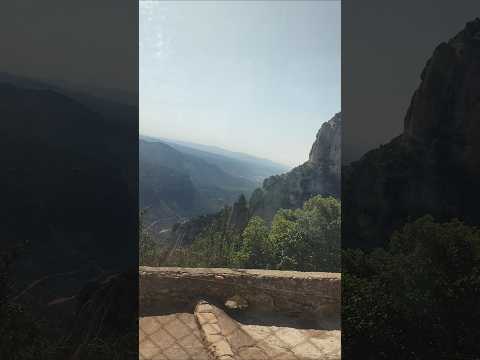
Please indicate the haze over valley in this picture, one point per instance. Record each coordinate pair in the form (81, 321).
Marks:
(231, 94)
(180, 179)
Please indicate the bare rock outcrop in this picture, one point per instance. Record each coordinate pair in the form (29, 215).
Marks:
(320, 175)
(326, 150)
(239, 215)
(433, 167)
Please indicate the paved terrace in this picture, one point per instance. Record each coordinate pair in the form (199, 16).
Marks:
(228, 314)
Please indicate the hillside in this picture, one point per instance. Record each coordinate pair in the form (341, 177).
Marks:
(433, 167)
(410, 221)
(68, 181)
(234, 163)
(175, 185)
(320, 175)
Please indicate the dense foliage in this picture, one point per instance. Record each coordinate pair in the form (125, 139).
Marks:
(306, 239)
(418, 299)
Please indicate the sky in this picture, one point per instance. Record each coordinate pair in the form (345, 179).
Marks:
(250, 76)
(91, 43)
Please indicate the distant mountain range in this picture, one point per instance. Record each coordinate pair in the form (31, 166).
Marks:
(69, 170)
(320, 175)
(235, 163)
(181, 180)
(116, 96)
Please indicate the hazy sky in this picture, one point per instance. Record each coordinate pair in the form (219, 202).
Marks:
(87, 42)
(250, 76)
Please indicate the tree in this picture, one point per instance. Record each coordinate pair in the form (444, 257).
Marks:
(321, 224)
(286, 241)
(308, 239)
(253, 252)
(422, 290)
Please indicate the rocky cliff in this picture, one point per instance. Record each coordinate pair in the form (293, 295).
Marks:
(434, 165)
(319, 175)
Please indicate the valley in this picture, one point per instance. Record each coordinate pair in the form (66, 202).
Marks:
(211, 218)
(181, 181)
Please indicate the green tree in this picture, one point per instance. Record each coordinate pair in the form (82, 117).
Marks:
(320, 221)
(308, 239)
(286, 241)
(253, 252)
(419, 297)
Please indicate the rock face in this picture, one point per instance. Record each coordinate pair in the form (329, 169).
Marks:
(326, 150)
(239, 215)
(319, 175)
(434, 166)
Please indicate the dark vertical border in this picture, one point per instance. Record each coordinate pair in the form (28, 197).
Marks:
(69, 184)
(410, 180)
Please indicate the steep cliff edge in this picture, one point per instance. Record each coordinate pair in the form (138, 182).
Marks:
(319, 175)
(434, 165)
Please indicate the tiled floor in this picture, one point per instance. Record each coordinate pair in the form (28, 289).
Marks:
(261, 342)
(178, 337)
(296, 344)
(171, 337)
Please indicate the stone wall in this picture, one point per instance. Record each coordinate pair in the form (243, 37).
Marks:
(311, 295)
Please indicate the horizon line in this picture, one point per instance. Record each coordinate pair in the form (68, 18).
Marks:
(259, 157)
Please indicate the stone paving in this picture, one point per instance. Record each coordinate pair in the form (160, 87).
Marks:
(297, 344)
(210, 334)
(171, 337)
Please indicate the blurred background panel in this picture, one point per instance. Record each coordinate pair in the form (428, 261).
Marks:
(69, 159)
(410, 180)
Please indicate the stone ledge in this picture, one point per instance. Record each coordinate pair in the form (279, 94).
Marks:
(213, 337)
(235, 272)
(288, 292)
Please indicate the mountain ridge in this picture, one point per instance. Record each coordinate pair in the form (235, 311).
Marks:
(433, 167)
(209, 148)
(320, 175)
(67, 185)
(208, 185)
(262, 167)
